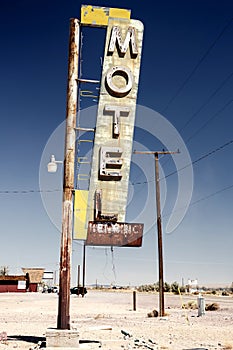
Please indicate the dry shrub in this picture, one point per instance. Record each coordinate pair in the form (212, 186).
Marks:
(227, 347)
(190, 305)
(99, 316)
(208, 292)
(225, 294)
(212, 307)
(195, 293)
(153, 313)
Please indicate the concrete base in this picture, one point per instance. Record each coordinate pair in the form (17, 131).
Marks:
(62, 338)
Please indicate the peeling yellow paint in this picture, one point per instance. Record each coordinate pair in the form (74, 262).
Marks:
(80, 211)
(119, 13)
(98, 16)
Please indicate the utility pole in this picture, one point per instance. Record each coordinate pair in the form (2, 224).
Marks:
(84, 267)
(159, 227)
(63, 319)
(78, 280)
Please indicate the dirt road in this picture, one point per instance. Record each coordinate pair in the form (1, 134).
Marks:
(100, 317)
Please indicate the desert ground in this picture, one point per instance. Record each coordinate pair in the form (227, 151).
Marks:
(106, 319)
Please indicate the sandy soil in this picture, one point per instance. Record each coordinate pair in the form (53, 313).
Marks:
(100, 317)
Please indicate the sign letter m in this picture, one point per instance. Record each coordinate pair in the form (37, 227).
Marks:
(130, 39)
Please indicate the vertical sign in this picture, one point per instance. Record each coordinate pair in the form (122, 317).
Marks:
(115, 121)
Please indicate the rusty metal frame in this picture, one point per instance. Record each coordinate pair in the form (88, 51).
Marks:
(119, 234)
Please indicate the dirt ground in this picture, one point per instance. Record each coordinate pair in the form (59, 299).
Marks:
(107, 320)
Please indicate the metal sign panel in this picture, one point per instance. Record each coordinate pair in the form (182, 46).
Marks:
(21, 285)
(80, 211)
(48, 275)
(97, 16)
(118, 234)
(115, 120)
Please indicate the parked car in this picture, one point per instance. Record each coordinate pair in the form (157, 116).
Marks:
(47, 289)
(55, 289)
(78, 290)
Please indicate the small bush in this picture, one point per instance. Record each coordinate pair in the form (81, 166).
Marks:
(175, 288)
(182, 289)
(190, 305)
(153, 313)
(148, 288)
(167, 287)
(212, 307)
(225, 294)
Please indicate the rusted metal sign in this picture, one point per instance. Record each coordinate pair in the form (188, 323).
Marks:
(118, 234)
(97, 16)
(115, 118)
(112, 151)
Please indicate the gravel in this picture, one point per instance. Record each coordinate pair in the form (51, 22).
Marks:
(106, 320)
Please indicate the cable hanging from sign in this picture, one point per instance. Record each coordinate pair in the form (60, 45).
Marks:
(113, 264)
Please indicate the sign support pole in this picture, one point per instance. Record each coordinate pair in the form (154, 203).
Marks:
(84, 266)
(63, 319)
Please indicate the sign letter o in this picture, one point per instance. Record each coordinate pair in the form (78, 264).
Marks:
(112, 88)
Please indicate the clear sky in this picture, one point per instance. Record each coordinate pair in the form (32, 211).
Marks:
(186, 84)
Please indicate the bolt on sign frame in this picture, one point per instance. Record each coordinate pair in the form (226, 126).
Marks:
(115, 119)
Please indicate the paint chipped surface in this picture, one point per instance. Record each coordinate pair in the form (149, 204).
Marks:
(98, 16)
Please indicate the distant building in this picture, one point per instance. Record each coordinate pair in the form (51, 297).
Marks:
(14, 284)
(29, 282)
(192, 286)
(35, 277)
(48, 278)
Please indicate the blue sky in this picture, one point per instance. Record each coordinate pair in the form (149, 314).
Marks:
(186, 77)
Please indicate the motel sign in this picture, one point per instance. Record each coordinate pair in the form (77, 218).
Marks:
(112, 151)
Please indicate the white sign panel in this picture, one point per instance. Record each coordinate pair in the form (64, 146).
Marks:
(21, 285)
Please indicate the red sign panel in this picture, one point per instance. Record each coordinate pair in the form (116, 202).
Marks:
(119, 234)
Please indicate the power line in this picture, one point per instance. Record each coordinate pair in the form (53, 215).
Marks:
(210, 119)
(197, 65)
(212, 194)
(189, 164)
(29, 191)
(200, 158)
(133, 183)
(208, 100)
(204, 198)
